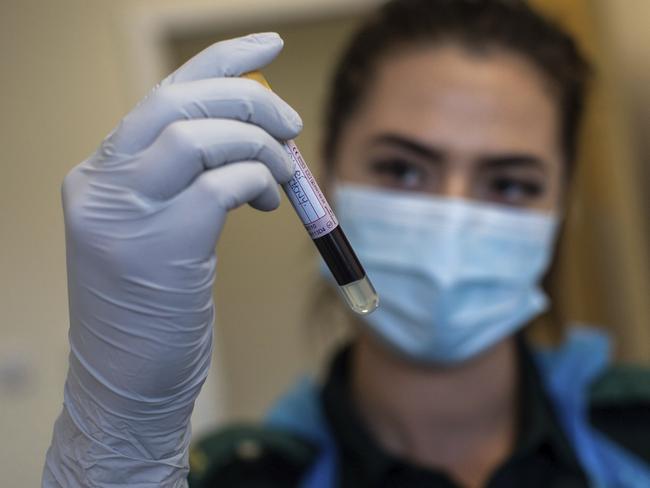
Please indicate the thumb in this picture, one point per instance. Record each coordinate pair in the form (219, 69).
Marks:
(232, 57)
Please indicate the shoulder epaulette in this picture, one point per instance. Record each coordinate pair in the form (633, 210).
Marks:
(619, 407)
(239, 451)
(621, 385)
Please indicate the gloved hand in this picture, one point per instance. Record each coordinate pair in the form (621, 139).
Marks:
(143, 215)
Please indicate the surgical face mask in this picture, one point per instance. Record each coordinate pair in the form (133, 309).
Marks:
(454, 277)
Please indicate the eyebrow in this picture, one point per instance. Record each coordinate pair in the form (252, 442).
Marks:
(512, 161)
(405, 143)
(437, 155)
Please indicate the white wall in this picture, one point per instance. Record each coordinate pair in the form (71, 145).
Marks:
(60, 92)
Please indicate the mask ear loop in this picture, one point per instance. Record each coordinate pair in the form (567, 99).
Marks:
(550, 327)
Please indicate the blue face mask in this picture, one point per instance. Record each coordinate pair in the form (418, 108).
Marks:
(454, 277)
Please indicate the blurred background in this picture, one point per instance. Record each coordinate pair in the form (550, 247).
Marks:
(73, 68)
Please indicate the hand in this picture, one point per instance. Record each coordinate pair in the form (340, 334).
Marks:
(143, 215)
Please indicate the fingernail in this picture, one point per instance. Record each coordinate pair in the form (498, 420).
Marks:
(296, 120)
(266, 37)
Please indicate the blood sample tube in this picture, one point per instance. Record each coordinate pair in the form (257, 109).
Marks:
(318, 218)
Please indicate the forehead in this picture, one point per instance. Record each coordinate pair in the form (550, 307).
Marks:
(456, 99)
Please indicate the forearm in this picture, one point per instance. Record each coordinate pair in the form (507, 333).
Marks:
(76, 459)
(128, 432)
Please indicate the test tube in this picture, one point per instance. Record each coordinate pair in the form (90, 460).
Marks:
(318, 218)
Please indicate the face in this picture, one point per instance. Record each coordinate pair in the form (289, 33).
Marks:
(452, 123)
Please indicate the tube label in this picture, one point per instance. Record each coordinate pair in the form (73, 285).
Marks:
(307, 198)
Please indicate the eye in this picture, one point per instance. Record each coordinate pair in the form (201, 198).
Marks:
(515, 191)
(399, 173)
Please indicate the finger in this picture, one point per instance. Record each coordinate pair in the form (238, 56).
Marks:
(232, 57)
(185, 149)
(199, 211)
(231, 186)
(224, 98)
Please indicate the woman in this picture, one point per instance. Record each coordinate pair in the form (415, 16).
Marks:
(451, 133)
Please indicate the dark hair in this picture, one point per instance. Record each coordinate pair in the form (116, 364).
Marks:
(479, 25)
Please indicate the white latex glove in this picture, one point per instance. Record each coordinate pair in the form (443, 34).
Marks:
(143, 215)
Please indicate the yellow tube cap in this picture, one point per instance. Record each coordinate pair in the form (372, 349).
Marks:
(257, 76)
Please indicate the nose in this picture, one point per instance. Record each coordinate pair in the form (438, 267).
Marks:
(456, 184)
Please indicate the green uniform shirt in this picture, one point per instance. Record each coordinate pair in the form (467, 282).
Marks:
(248, 456)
